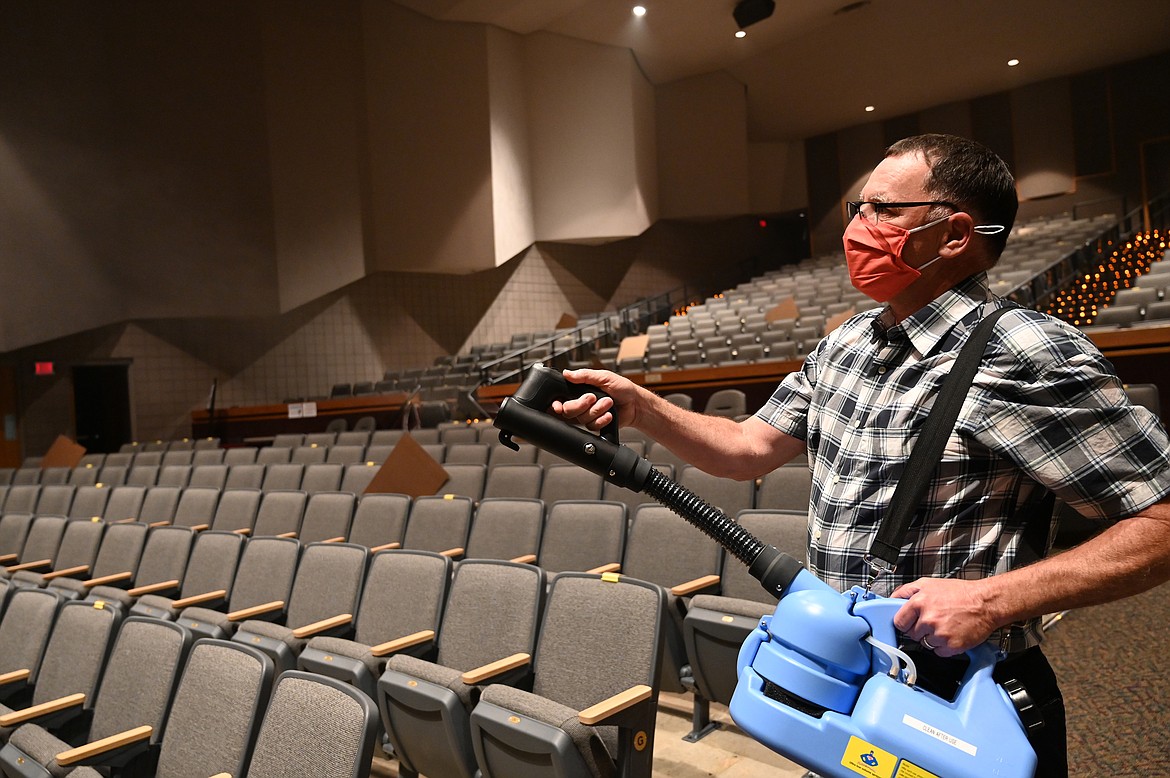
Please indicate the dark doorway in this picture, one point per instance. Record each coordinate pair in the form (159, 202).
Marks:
(101, 406)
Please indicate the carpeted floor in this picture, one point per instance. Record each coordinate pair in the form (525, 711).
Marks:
(1113, 664)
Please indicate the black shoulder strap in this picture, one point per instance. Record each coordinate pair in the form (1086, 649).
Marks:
(887, 545)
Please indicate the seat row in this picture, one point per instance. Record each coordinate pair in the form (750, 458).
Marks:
(504, 476)
(339, 591)
(143, 697)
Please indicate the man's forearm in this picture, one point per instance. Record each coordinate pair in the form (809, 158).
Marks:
(1127, 558)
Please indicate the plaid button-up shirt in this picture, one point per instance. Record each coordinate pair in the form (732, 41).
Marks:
(1045, 413)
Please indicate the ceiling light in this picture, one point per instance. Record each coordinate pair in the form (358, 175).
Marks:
(740, 34)
(869, 109)
(639, 10)
(1013, 62)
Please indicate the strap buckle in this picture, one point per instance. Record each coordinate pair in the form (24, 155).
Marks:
(877, 568)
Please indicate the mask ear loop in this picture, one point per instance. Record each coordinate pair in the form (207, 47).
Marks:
(989, 229)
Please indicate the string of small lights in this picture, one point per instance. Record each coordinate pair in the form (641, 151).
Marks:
(1119, 267)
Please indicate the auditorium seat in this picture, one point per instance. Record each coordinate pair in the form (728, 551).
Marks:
(207, 582)
(323, 600)
(402, 603)
(488, 635)
(599, 642)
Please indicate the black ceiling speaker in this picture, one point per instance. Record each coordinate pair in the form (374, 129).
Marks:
(748, 12)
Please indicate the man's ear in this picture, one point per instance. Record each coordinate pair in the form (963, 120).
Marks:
(957, 238)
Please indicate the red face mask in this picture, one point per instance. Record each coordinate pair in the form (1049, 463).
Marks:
(873, 252)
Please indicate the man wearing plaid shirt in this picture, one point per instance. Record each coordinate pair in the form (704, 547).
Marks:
(1045, 415)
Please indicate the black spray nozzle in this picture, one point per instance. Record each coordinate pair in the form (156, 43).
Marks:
(524, 415)
(542, 385)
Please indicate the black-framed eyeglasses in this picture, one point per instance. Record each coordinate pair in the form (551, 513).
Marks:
(872, 210)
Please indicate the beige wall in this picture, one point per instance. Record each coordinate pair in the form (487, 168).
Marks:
(702, 147)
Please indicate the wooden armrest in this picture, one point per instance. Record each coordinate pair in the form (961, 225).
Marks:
(200, 527)
(222, 775)
(67, 572)
(255, 610)
(406, 641)
(159, 524)
(452, 552)
(17, 717)
(483, 672)
(385, 547)
(106, 744)
(243, 531)
(287, 535)
(125, 575)
(526, 558)
(612, 567)
(30, 565)
(14, 676)
(323, 625)
(7, 558)
(195, 599)
(338, 539)
(595, 714)
(692, 586)
(161, 586)
(127, 520)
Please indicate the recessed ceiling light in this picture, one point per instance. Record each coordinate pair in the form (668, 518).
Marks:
(869, 109)
(639, 10)
(740, 34)
(1013, 62)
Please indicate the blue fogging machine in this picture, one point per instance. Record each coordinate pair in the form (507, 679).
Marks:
(821, 681)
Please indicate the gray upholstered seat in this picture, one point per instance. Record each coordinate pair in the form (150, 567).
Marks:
(24, 633)
(583, 535)
(379, 520)
(14, 529)
(716, 625)
(786, 488)
(315, 726)
(56, 547)
(217, 709)
(327, 517)
(116, 563)
(569, 482)
(599, 639)
(245, 475)
(55, 499)
(283, 476)
(506, 529)
(211, 475)
(357, 476)
(160, 569)
(492, 614)
(322, 477)
(514, 480)
(264, 576)
(402, 603)
(236, 510)
(281, 513)
(323, 600)
(196, 507)
(439, 524)
(726, 402)
(72, 664)
(135, 694)
(211, 570)
(693, 565)
(159, 505)
(125, 502)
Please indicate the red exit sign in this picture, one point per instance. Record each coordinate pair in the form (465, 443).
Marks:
(43, 368)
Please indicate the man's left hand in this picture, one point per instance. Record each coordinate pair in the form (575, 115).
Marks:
(947, 615)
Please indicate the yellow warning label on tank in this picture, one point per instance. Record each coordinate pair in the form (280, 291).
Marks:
(867, 759)
(910, 770)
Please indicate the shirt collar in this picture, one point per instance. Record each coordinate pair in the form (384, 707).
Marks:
(926, 327)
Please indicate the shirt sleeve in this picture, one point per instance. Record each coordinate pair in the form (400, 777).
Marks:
(1057, 410)
(787, 408)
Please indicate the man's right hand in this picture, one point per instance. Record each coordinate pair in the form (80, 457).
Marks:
(593, 413)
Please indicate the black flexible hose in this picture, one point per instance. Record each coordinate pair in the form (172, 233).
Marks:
(712, 521)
